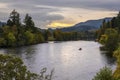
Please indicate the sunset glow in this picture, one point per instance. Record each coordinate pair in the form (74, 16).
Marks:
(57, 24)
(73, 16)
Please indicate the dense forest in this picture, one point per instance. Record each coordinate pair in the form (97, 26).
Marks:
(16, 33)
(109, 36)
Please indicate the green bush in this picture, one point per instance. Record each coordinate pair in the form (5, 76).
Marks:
(104, 74)
(13, 68)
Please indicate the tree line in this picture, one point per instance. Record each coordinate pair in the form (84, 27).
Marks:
(14, 33)
(17, 33)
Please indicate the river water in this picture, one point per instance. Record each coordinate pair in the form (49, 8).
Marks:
(68, 62)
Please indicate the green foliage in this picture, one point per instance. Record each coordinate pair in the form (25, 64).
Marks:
(112, 40)
(58, 35)
(47, 34)
(117, 71)
(29, 37)
(39, 38)
(11, 40)
(51, 38)
(102, 29)
(12, 68)
(65, 36)
(104, 74)
(114, 24)
(15, 34)
(2, 41)
(103, 39)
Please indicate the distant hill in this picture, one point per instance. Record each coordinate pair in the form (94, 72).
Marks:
(86, 26)
(2, 23)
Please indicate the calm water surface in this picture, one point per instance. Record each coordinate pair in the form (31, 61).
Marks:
(69, 62)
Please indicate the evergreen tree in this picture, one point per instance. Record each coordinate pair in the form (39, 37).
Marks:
(118, 21)
(9, 22)
(29, 24)
(14, 18)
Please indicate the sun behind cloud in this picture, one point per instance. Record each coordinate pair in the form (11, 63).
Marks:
(59, 24)
(72, 16)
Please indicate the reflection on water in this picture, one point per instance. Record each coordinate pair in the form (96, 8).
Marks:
(69, 62)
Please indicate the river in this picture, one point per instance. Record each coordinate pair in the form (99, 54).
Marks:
(68, 62)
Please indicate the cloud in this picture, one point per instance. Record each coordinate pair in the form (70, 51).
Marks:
(40, 13)
(47, 11)
(43, 19)
(45, 7)
(90, 4)
(104, 4)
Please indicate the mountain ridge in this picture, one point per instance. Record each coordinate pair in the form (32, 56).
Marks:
(86, 26)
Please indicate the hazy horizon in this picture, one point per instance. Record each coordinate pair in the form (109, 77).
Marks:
(60, 13)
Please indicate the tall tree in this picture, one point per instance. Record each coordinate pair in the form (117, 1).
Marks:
(14, 18)
(118, 21)
(9, 22)
(29, 22)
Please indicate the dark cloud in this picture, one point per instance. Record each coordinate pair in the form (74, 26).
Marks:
(104, 4)
(93, 4)
(43, 19)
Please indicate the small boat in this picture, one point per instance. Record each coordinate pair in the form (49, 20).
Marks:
(80, 48)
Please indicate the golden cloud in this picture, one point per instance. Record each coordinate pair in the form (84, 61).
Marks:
(59, 24)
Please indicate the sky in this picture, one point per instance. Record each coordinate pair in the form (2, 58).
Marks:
(60, 13)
